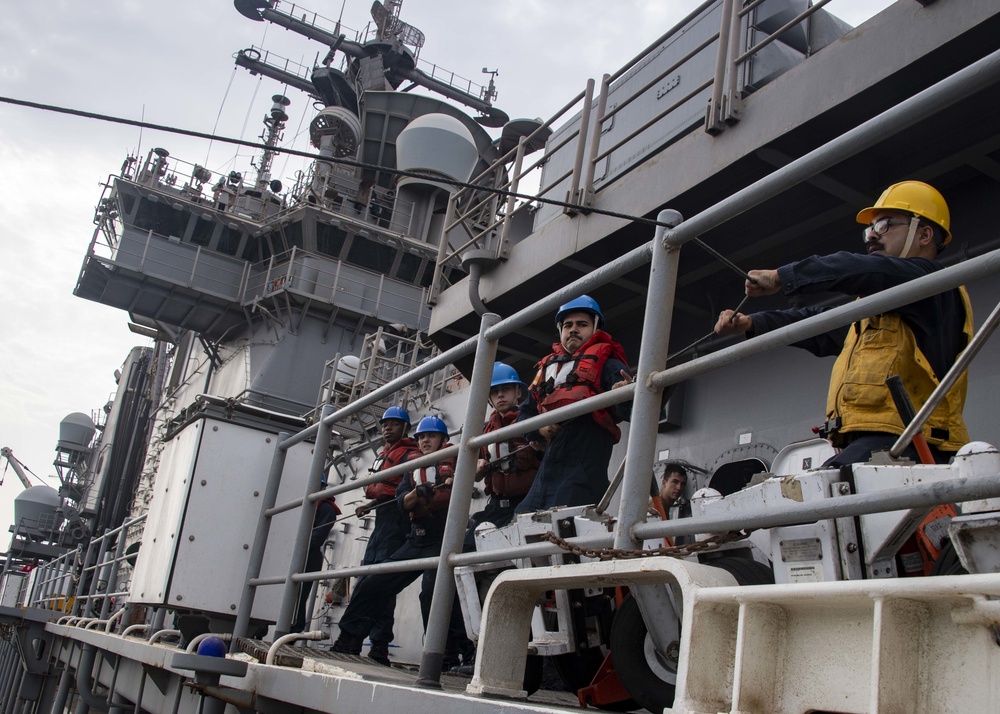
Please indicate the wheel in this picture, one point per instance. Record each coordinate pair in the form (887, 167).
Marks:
(947, 562)
(649, 678)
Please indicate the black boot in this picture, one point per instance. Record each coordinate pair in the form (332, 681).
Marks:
(379, 652)
(348, 644)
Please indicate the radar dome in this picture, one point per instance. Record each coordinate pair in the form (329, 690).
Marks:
(437, 143)
(36, 505)
(76, 429)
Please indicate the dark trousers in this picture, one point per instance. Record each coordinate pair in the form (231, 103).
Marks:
(861, 446)
(374, 592)
(388, 536)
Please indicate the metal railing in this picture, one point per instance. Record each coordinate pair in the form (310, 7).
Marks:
(663, 253)
(85, 580)
(465, 227)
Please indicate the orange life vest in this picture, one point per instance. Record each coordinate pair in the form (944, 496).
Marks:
(565, 378)
(514, 474)
(391, 455)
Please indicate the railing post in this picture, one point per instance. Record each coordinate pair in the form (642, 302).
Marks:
(587, 194)
(88, 611)
(653, 600)
(732, 104)
(458, 508)
(449, 218)
(242, 626)
(297, 561)
(713, 120)
(113, 575)
(503, 252)
(81, 584)
(574, 189)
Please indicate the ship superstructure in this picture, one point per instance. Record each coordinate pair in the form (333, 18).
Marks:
(403, 262)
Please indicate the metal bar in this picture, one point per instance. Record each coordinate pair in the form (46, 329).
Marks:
(502, 250)
(733, 69)
(458, 506)
(595, 139)
(641, 449)
(113, 576)
(886, 301)
(574, 186)
(646, 399)
(714, 119)
(81, 584)
(922, 495)
(401, 566)
(242, 626)
(916, 495)
(95, 577)
(296, 562)
(941, 391)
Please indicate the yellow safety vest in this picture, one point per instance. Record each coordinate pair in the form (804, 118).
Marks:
(875, 349)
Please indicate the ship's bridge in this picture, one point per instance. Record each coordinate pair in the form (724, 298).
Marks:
(646, 143)
(167, 252)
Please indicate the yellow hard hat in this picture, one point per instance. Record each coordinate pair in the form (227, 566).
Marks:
(914, 197)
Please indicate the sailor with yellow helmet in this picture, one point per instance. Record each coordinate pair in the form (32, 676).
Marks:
(904, 232)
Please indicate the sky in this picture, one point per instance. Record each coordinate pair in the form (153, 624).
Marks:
(172, 64)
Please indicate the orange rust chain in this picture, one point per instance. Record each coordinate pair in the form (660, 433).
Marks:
(673, 551)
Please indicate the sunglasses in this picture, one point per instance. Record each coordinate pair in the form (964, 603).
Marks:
(882, 226)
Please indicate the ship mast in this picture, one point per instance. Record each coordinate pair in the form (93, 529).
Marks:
(274, 124)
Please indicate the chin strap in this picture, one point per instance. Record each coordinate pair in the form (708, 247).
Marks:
(911, 234)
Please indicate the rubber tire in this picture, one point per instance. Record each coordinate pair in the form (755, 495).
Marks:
(628, 636)
(947, 562)
(747, 571)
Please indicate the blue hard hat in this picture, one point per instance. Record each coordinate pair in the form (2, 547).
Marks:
(396, 413)
(431, 425)
(584, 303)
(504, 374)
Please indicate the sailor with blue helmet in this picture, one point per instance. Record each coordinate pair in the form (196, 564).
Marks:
(507, 468)
(585, 361)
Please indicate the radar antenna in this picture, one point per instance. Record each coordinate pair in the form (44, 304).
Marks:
(390, 27)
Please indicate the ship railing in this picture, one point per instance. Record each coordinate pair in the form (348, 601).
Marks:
(348, 286)
(662, 254)
(85, 581)
(589, 139)
(283, 64)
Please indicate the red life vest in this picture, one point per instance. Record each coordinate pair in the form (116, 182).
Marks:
(333, 502)
(515, 474)
(435, 474)
(565, 378)
(391, 455)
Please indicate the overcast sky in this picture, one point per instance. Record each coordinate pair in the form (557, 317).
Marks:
(171, 62)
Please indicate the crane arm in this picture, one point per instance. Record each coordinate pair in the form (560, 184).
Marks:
(19, 468)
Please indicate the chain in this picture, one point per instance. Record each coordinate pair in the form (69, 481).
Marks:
(674, 551)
